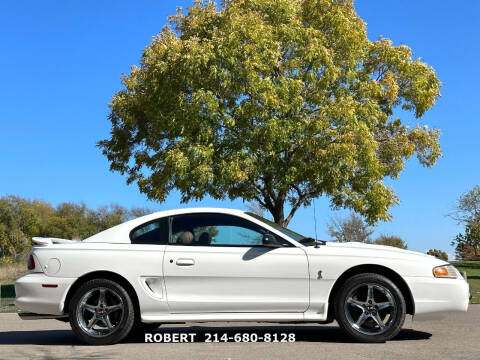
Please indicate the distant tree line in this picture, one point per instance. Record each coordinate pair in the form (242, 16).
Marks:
(466, 212)
(21, 219)
(354, 228)
(438, 253)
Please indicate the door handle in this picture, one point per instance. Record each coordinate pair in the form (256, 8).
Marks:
(185, 262)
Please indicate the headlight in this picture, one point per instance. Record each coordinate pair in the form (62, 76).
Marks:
(446, 271)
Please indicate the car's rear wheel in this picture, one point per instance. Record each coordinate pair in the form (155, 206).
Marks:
(101, 312)
(370, 308)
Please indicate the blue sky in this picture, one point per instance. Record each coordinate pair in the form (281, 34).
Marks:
(61, 62)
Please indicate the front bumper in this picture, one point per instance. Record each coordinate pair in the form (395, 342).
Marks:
(435, 297)
(32, 297)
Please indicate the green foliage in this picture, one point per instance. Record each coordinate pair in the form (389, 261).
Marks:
(21, 219)
(467, 245)
(438, 253)
(391, 240)
(349, 229)
(273, 101)
(4, 261)
(468, 265)
(472, 268)
(16, 220)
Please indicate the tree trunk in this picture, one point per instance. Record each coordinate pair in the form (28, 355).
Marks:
(275, 204)
(277, 211)
(278, 214)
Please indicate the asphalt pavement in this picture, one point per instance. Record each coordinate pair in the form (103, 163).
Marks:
(455, 337)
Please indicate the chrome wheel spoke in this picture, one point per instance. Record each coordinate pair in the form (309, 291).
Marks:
(108, 322)
(361, 319)
(92, 322)
(384, 305)
(89, 308)
(101, 297)
(358, 304)
(378, 320)
(110, 309)
(370, 294)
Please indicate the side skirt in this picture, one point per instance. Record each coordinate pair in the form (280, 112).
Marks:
(33, 316)
(235, 317)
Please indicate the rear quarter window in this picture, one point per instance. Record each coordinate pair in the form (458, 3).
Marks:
(151, 233)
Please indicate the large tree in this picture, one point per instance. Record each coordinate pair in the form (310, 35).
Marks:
(273, 101)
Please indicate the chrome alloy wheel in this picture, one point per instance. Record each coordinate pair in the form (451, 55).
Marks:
(100, 311)
(370, 309)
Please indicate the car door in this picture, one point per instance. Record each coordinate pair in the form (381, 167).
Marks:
(216, 263)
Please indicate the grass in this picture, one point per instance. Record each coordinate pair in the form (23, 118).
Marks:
(473, 276)
(8, 274)
(7, 305)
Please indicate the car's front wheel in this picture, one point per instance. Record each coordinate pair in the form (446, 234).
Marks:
(370, 308)
(101, 312)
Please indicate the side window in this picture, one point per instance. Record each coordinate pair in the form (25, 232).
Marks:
(151, 233)
(215, 230)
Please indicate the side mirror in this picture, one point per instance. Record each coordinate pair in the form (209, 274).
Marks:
(269, 240)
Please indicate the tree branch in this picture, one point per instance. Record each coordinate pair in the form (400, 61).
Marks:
(297, 189)
(292, 211)
(257, 199)
(267, 203)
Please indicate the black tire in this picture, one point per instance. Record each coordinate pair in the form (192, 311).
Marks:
(115, 299)
(364, 303)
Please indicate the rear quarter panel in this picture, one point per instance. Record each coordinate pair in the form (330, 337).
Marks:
(132, 262)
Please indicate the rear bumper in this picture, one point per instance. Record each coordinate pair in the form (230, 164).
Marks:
(32, 297)
(436, 297)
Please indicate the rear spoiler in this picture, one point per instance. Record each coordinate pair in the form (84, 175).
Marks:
(50, 241)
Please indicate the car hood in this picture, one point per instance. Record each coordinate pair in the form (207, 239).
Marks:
(335, 258)
(382, 251)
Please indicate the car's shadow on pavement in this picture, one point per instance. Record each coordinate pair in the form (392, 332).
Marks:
(322, 334)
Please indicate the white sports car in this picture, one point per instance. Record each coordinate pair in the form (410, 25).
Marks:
(198, 265)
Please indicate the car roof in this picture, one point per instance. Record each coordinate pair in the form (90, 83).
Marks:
(121, 233)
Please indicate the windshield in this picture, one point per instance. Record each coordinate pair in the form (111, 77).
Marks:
(295, 236)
